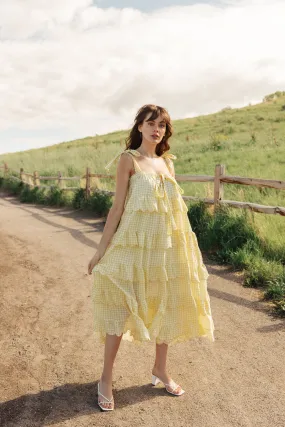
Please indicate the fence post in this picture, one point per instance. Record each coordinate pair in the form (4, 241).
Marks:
(6, 169)
(59, 181)
(88, 183)
(218, 185)
(36, 179)
(22, 174)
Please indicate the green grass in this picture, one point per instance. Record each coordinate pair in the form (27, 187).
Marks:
(231, 237)
(249, 141)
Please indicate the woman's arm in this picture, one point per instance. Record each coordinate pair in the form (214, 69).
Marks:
(124, 168)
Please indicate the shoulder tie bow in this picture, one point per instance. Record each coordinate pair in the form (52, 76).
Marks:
(129, 150)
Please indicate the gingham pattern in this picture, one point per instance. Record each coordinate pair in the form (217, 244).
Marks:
(151, 283)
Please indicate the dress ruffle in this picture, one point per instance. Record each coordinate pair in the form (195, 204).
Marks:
(149, 203)
(151, 283)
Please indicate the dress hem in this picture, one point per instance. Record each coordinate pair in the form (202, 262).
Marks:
(129, 336)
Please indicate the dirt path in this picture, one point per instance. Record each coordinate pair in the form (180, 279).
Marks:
(50, 363)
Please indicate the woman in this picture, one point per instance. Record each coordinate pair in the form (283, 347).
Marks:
(150, 282)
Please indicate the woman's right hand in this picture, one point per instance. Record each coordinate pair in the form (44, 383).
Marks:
(96, 258)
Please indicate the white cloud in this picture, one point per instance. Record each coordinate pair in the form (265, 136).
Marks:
(68, 63)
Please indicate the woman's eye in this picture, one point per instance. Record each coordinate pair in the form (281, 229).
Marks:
(161, 124)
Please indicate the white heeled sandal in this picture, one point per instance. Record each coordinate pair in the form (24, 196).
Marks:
(106, 400)
(170, 388)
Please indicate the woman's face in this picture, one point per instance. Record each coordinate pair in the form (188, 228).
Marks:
(153, 131)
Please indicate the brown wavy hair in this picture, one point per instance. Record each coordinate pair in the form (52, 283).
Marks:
(134, 140)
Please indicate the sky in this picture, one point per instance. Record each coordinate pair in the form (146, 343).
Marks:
(77, 68)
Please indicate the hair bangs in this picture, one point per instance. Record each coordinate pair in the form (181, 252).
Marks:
(157, 111)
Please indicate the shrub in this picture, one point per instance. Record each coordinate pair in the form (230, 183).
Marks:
(55, 197)
(26, 195)
(261, 271)
(32, 195)
(276, 289)
(242, 257)
(12, 186)
(231, 231)
(79, 199)
(200, 220)
(99, 202)
(38, 195)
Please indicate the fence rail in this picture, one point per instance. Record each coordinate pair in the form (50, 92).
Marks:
(219, 179)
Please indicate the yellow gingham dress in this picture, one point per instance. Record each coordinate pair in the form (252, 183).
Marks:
(151, 282)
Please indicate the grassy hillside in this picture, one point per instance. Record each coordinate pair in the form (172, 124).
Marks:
(249, 141)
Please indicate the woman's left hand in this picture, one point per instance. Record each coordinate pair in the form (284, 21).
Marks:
(93, 262)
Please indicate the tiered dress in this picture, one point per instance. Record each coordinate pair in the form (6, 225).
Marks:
(151, 282)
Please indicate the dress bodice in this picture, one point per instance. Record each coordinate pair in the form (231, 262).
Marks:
(162, 177)
(153, 191)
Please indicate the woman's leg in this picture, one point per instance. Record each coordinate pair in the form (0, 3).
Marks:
(112, 344)
(159, 368)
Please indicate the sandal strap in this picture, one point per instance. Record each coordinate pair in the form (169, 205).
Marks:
(173, 385)
(106, 398)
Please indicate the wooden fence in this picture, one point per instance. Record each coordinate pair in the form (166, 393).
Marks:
(219, 179)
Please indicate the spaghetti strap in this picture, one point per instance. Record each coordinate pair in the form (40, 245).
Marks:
(167, 156)
(130, 151)
(136, 165)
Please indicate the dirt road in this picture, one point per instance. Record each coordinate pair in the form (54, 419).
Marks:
(50, 363)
